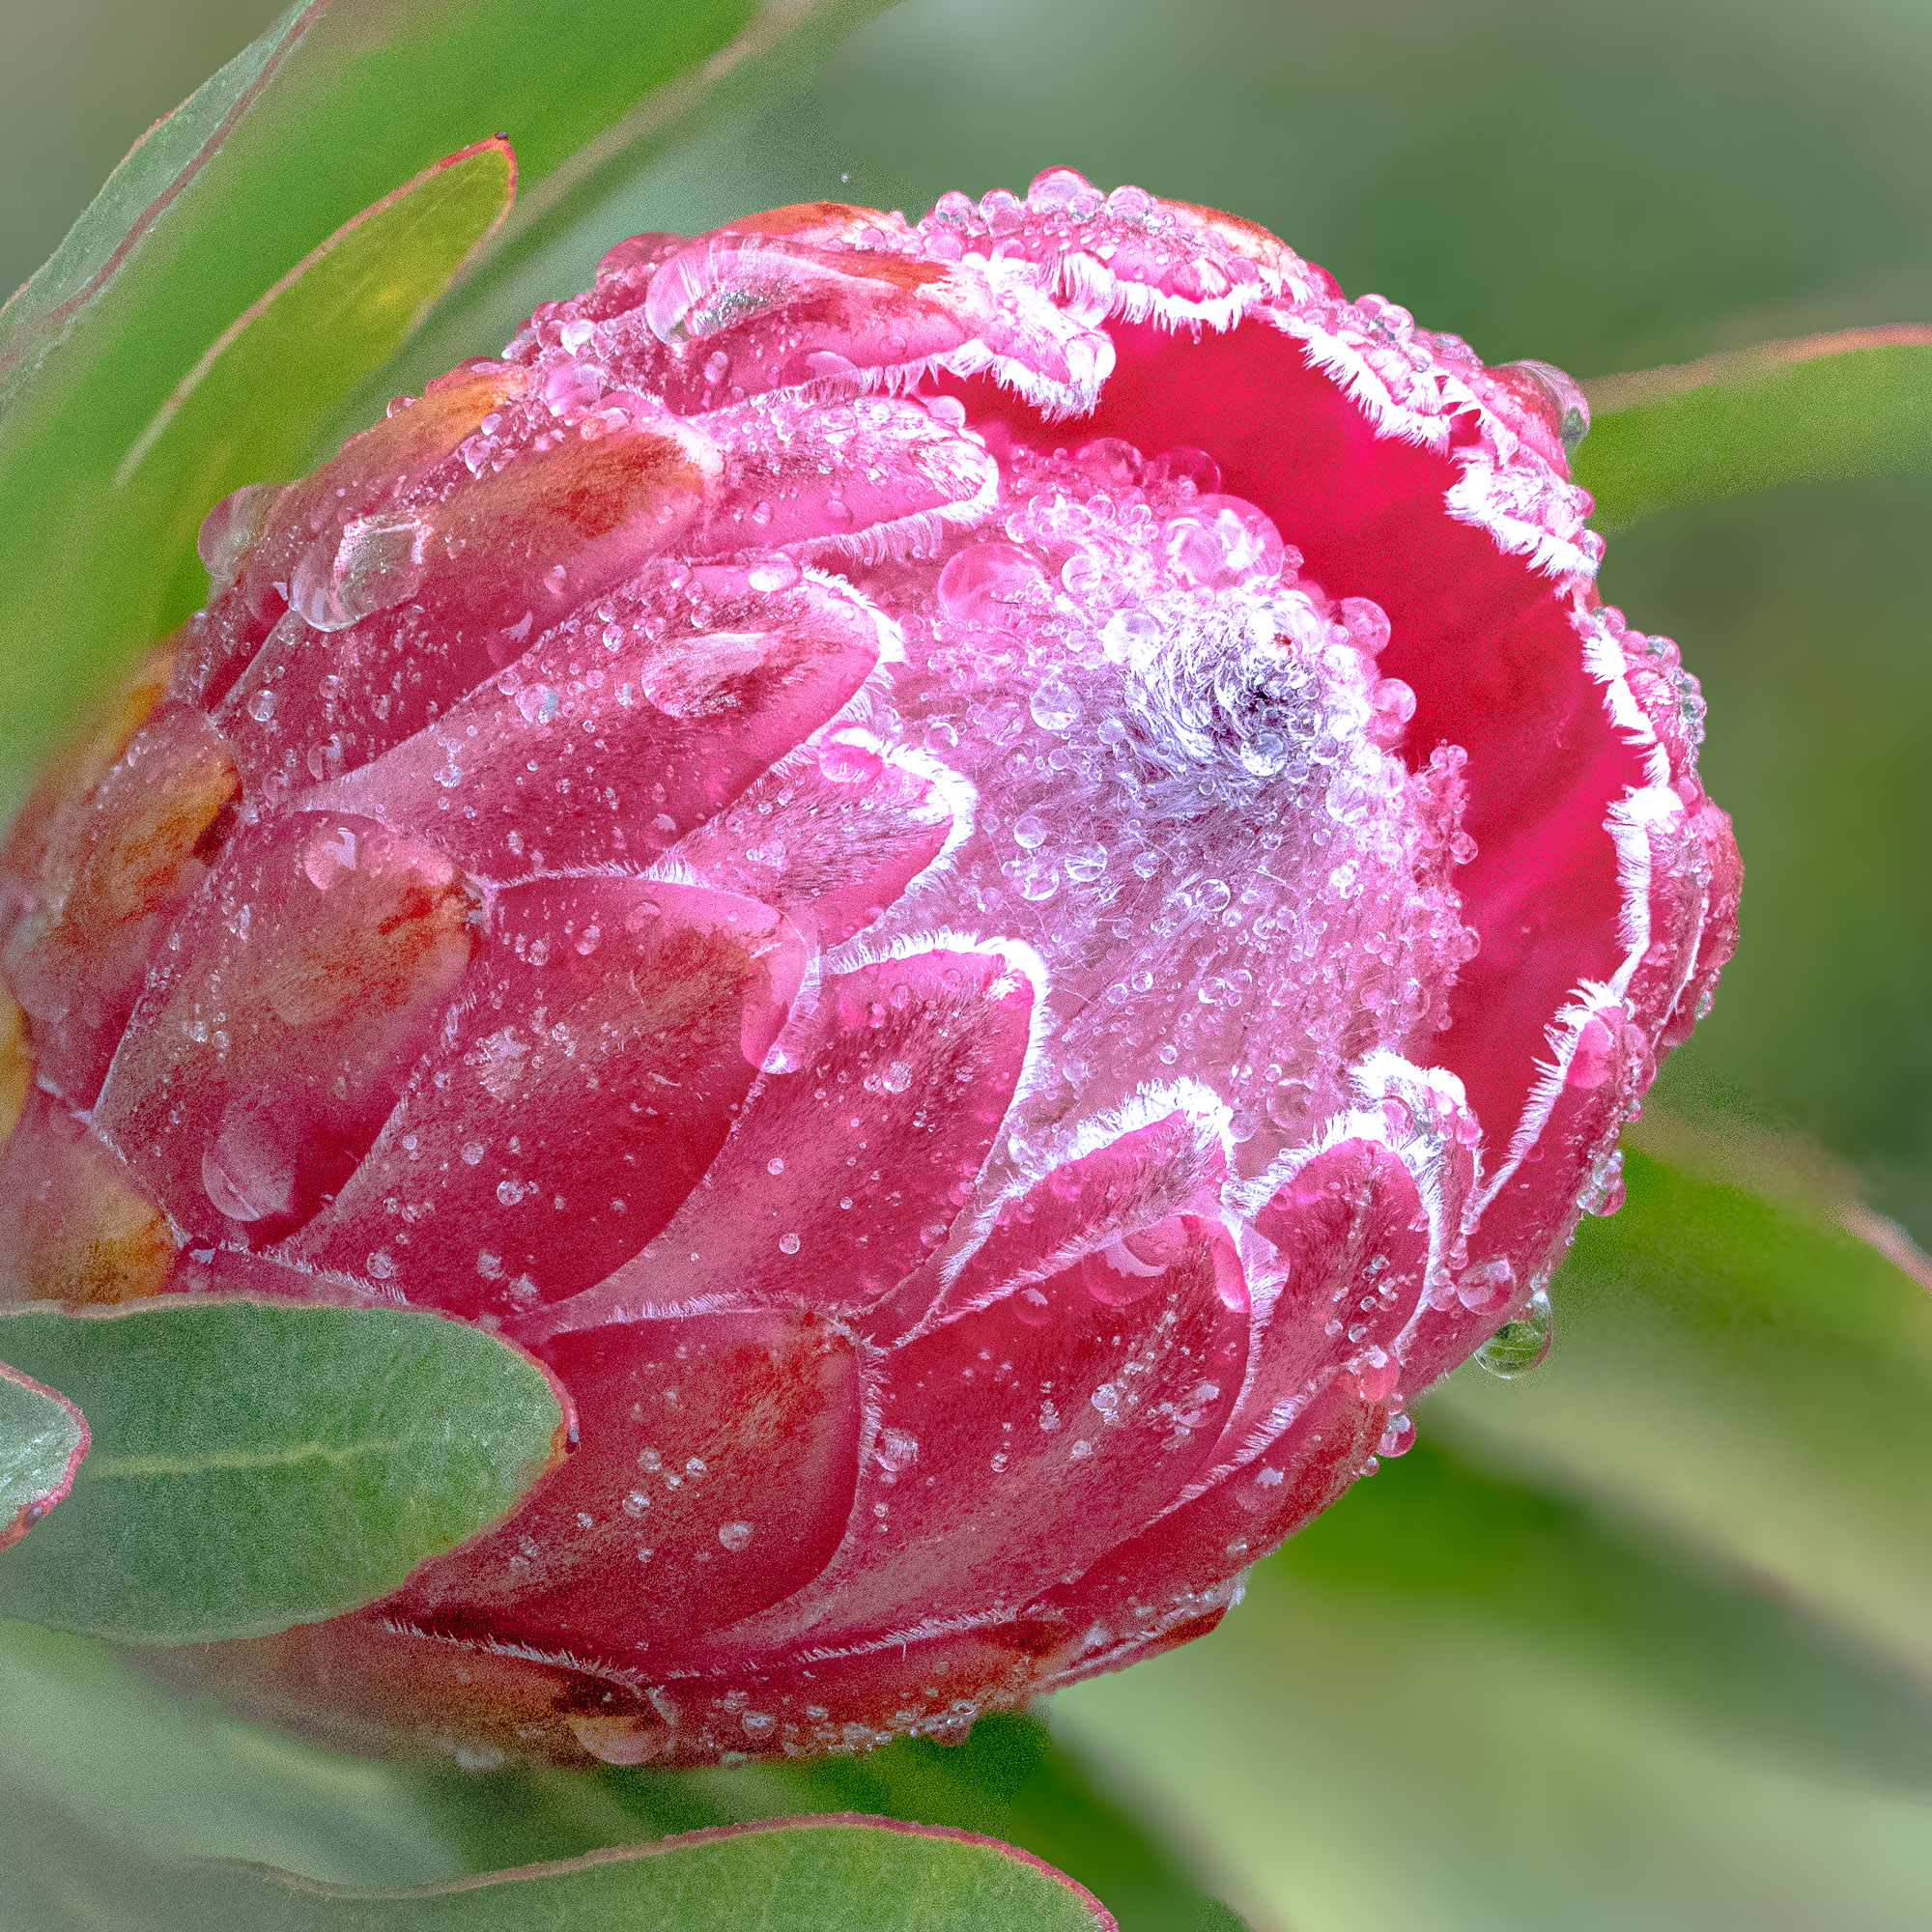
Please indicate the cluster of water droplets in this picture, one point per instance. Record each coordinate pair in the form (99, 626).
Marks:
(1191, 795)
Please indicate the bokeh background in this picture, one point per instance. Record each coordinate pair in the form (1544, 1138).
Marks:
(1644, 1639)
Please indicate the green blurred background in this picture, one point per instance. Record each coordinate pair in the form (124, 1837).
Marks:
(1646, 1640)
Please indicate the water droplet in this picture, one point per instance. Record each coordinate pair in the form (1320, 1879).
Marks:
(988, 584)
(1085, 864)
(1055, 707)
(1377, 1374)
(772, 573)
(1063, 191)
(775, 1165)
(712, 284)
(1606, 1194)
(1038, 881)
(261, 706)
(1555, 396)
(247, 1173)
(538, 702)
(1521, 1344)
(229, 530)
(1032, 1307)
(1186, 465)
(1594, 1058)
(572, 386)
(332, 850)
(377, 565)
(787, 1244)
(1486, 1287)
(897, 1449)
(734, 1536)
(1366, 623)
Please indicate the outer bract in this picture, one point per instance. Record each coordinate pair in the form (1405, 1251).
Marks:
(999, 880)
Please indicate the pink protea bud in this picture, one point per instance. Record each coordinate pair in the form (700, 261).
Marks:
(999, 880)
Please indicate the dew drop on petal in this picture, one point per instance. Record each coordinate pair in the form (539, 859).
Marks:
(1520, 1346)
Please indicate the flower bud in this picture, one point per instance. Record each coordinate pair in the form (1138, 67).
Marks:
(997, 879)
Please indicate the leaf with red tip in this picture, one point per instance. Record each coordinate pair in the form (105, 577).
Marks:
(786, 1875)
(351, 300)
(227, 295)
(257, 1465)
(43, 1437)
(1857, 403)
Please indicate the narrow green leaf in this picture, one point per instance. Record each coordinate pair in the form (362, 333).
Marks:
(342, 310)
(259, 1464)
(342, 101)
(804, 1875)
(138, 196)
(1857, 403)
(42, 1438)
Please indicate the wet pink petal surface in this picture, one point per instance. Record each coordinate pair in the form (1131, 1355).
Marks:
(999, 879)
(610, 1031)
(851, 1157)
(664, 1521)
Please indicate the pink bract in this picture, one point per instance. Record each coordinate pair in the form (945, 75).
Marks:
(999, 880)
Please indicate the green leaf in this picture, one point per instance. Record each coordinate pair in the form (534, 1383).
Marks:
(1803, 613)
(342, 311)
(1857, 403)
(335, 106)
(159, 1771)
(42, 1438)
(260, 1464)
(1009, 1779)
(1471, 1704)
(1640, 1639)
(1740, 1370)
(121, 1755)
(137, 195)
(804, 1875)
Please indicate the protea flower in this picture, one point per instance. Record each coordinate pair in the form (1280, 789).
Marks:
(998, 880)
